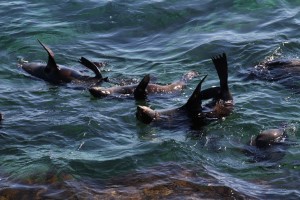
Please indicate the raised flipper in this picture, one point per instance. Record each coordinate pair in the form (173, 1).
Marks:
(85, 62)
(51, 64)
(193, 105)
(140, 92)
(221, 66)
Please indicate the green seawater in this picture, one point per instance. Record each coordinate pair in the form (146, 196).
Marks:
(59, 142)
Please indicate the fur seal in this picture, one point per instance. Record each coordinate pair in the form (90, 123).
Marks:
(220, 106)
(269, 145)
(191, 110)
(1, 117)
(141, 90)
(283, 63)
(269, 137)
(222, 100)
(283, 72)
(57, 74)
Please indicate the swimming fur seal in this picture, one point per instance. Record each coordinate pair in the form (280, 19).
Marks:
(269, 145)
(141, 90)
(191, 110)
(57, 74)
(269, 137)
(220, 106)
(283, 72)
(1, 117)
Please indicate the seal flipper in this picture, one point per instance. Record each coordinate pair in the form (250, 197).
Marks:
(210, 93)
(221, 66)
(51, 64)
(85, 62)
(140, 92)
(193, 104)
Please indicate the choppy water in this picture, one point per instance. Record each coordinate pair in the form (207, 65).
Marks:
(58, 142)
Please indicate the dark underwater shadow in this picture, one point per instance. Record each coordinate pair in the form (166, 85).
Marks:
(166, 180)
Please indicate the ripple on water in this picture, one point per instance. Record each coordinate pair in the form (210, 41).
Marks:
(59, 142)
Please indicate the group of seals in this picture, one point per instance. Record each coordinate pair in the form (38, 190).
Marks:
(58, 74)
(192, 111)
(220, 106)
(287, 73)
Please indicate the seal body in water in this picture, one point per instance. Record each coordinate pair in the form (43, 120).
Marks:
(269, 145)
(57, 74)
(220, 106)
(1, 117)
(269, 138)
(141, 90)
(283, 72)
(176, 116)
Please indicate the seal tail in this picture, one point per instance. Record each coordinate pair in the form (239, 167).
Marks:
(221, 66)
(87, 63)
(51, 64)
(140, 92)
(194, 102)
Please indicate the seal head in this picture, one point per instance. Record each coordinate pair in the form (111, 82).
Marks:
(146, 114)
(269, 137)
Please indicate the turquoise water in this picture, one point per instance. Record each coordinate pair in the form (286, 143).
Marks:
(59, 142)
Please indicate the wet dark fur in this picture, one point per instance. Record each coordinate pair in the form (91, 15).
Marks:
(190, 110)
(141, 90)
(221, 105)
(283, 72)
(269, 145)
(269, 138)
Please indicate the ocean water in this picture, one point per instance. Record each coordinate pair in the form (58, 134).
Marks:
(59, 142)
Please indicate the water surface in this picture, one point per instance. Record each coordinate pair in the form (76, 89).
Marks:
(59, 142)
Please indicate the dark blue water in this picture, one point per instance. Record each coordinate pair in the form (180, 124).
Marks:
(59, 142)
